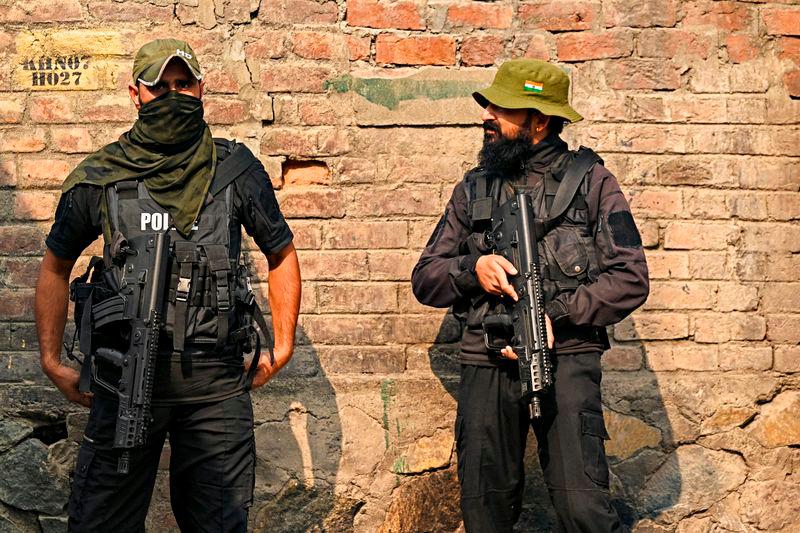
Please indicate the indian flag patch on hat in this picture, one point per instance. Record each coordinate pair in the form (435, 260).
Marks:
(533, 87)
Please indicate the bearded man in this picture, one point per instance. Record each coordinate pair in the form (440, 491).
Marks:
(594, 274)
(167, 176)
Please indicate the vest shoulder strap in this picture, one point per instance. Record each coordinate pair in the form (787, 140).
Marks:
(576, 169)
(239, 160)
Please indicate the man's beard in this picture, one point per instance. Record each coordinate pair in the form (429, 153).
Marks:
(503, 156)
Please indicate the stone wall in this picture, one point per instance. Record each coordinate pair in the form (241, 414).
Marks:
(360, 111)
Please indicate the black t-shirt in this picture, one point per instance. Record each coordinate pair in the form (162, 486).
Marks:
(210, 376)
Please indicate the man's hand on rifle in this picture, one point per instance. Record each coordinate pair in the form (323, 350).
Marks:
(66, 380)
(492, 272)
(508, 351)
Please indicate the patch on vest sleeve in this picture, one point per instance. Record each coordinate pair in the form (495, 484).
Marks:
(623, 230)
(437, 232)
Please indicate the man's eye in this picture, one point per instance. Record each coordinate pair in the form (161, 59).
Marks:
(160, 86)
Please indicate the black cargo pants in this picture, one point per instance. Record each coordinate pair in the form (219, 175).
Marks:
(491, 431)
(212, 464)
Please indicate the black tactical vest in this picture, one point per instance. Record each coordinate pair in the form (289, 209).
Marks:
(566, 251)
(205, 273)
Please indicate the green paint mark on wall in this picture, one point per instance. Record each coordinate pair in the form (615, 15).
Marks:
(390, 92)
(388, 391)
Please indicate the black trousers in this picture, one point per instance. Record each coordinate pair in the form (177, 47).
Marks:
(212, 469)
(491, 431)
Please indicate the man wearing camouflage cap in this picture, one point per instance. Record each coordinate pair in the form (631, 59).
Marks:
(594, 274)
(167, 178)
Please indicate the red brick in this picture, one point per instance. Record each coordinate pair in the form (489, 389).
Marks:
(538, 47)
(107, 109)
(783, 328)
(391, 265)
(270, 45)
(622, 357)
(220, 81)
(35, 205)
(783, 206)
(745, 357)
(363, 235)
(43, 173)
(318, 45)
(643, 74)
(787, 359)
(57, 108)
(584, 46)
(19, 272)
(11, 109)
(105, 12)
(658, 356)
(303, 142)
(770, 237)
(21, 240)
(312, 203)
(680, 295)
(372, 14)
(305, 173)
(430, 50)
(379, 360)
(294, 78)
(770, 174)
(789, 48)
(357, 297)
(358, 47)
(560, 16)
(8, 172)
(347, 330)
(781, 21)
(652, 326)
(334, 265)
(401, 202)
(224, 110)
(16, 304)
(693, 357)
(22, 140)
(72, 140)
(733, 16)
(781, 297)
(640, 13)
(326, 110)
(670, 43)
(58, 11)
(742, 47)
(667, 265)
(298, 12)
(699, 236)
(708, 265)
(792, 82)
(482, 50)
(782, 267)
(736, 297)
(480, 15)
(656, 203)
(724, 327)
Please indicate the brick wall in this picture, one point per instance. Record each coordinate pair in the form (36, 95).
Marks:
(360, 111)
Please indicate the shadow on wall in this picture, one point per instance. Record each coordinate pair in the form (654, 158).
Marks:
(645, 475)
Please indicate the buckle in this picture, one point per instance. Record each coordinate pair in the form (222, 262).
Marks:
(182, 290)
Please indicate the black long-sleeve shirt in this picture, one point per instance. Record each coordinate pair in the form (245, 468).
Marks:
(444, 276)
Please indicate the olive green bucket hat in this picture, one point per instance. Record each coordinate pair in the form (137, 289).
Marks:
(530, 84)
(152, 59)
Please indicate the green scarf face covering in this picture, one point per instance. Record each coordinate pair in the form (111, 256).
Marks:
(169, 147)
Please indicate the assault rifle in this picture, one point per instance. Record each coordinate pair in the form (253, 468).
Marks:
(514, 235)
(139, 304)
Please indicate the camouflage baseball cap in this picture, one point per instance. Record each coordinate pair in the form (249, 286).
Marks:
(530, 84)
(152, 59)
